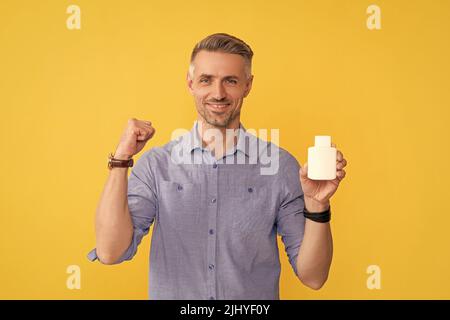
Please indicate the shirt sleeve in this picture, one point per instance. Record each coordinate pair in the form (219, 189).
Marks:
(290, 220)
(142, 205)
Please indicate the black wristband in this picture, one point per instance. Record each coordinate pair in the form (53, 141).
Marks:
(321, 217)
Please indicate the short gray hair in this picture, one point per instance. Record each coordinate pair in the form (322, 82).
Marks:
(222, 42)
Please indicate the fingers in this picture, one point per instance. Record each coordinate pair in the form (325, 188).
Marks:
(142, 129)
(147, 123)
(144, 133)
(133, 122)
(152, 132)
(143, 124)
(339, 155)
(340, 174)
(341, 164)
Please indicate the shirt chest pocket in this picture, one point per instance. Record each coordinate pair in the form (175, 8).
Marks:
(252, 209)
(179, 205)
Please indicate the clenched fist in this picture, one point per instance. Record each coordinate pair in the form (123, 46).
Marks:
(134, 138)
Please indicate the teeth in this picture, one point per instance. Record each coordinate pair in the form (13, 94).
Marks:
(219, 105)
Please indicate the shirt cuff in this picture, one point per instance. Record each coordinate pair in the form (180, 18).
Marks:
(92, 255)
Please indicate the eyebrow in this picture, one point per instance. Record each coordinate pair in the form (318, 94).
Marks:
(209, 76)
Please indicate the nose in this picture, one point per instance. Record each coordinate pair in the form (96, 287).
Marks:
(219, 91)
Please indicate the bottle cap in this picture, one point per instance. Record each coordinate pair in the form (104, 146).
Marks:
(322, 141)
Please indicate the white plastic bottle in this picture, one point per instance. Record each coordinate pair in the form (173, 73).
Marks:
(322, 159)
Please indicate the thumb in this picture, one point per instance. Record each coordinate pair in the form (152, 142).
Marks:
(304, 170)
(141, 135)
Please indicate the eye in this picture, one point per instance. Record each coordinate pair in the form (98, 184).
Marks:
(232, 81)
(204, 80)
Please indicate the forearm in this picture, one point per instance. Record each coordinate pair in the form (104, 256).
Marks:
(114, 228)
(316, 251)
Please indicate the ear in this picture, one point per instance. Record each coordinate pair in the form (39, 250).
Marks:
(189, 82)
(248, 86)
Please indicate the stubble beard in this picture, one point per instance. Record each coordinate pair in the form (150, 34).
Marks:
(217, 121)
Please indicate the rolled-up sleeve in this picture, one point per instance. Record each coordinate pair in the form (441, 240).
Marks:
(142, 205)
(290, 219)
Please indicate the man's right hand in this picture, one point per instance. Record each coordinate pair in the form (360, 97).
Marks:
(134, 138)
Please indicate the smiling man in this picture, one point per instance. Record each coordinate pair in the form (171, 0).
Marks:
(215, 219)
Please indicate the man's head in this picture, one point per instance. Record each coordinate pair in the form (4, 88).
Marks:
(219, 78)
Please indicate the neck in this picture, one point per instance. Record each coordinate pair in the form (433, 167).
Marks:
(216, 139)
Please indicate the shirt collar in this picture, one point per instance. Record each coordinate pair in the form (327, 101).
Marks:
(194, 141)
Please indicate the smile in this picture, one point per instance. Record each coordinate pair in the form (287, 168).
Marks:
(218, 107)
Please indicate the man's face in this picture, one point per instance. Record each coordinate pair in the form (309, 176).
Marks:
(219, 86)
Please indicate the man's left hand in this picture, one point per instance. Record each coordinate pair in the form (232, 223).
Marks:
(320, 191)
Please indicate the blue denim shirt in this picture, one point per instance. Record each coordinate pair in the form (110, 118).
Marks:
(215, 222)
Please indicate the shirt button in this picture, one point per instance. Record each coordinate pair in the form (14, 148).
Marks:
(214, 165)
(213, 200)
(250, 189)
(211, 231)
(180, 188)
(211, 298)
(211, 267)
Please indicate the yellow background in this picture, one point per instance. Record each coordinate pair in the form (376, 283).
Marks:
(383, 96)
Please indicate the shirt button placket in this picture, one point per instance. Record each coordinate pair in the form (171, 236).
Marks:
(212, 234)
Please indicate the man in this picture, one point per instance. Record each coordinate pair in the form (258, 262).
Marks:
(215, 218)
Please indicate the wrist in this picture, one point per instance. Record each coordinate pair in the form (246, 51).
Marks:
(119, 161)
(313, 205)
(122, 156)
